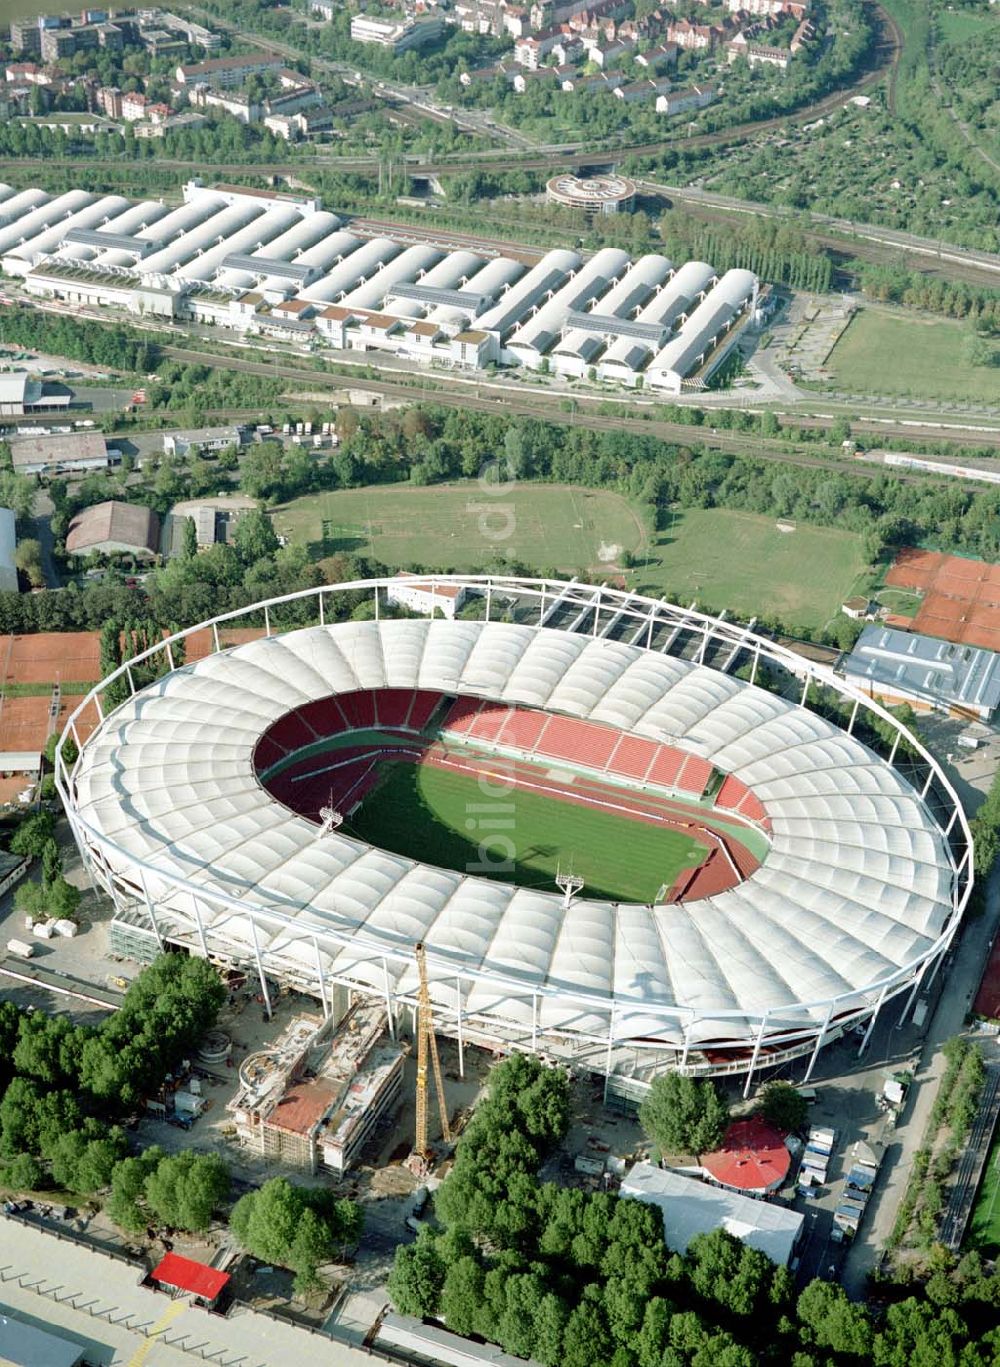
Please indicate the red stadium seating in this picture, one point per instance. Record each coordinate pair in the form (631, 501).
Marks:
(392, 706)
(267, 753)
(323, 716)
(490, 721)
(423, 707)
(731, 794)
(291, 732)
(579, 741)
(358, 709)
(632, 756)
(666, 767)
(694, 775)
(523, 728)
(752, 808)
(462, 715)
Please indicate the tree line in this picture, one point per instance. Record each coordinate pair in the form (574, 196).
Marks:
(428, 444)
(576, 1279)
(898, 284)
(776, 252)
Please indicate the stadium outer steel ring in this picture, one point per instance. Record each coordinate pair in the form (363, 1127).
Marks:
(94, 845)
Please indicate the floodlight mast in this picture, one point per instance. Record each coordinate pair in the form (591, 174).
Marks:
(569, 884)
(330, 819)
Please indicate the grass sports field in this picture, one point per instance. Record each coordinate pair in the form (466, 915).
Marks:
(984, 1227)
(459, 527)
(742, 562)
(880, 353)
(424, 811)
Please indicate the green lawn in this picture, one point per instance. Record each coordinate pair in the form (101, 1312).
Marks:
(882, 353)
(955, 26)
(461, 527)
(984, 1227)
(742, 562)
(900, 600)
(425, 812)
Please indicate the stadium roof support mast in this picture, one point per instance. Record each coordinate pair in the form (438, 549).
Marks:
(426, 1048)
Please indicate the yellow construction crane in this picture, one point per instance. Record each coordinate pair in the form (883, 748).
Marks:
(427, 1045)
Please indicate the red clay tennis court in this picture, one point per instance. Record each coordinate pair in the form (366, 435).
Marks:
(48, 656)
(961, 598)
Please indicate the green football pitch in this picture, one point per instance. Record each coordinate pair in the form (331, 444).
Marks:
(441, 817)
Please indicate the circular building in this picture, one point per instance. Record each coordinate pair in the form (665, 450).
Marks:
(752, 1158)
(794, 879)
(593, 194)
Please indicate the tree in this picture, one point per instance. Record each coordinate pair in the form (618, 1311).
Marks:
(21, 1173)
(724, 1270)
(417, 1277)
(28, 559)
(254, 537)
(835, 1322)
(293, 1226)
(51, 863)
(261, 470)
(586, 1340)
(462, 1296)
(189, 539)
(69, 749)
(31, 836)
(185, 1189)
(126, 1205)
(783, 1106)
(311, 1247)
(684, 1115)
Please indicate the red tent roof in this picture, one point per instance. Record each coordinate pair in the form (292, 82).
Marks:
(190, 1276)
(753, 1157)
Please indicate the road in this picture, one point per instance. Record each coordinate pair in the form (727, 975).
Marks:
(955, 986)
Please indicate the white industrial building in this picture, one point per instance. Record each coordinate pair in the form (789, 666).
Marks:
(8, 551)
(259, 261)
(690, 1207)
(930, 675)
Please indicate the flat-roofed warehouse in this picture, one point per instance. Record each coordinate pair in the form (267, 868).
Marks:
(115, 528)
(21, 395)
(929, 674)
(690, 1207)
(76, 453)
(266, 263)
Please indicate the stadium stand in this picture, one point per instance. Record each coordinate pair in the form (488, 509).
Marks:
(392, 707)
(267, 753)
(579, 741)
(666, 767)
(731, 794)
(290, 732)
(524, 729)
(358, 709)
(752, 808)
(694, 775)
(461, 715)
(633, 757)
(425, 704)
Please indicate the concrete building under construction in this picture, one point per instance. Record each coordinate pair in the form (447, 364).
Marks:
(313, 1099)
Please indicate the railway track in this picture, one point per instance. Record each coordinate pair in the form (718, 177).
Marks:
(734, 443)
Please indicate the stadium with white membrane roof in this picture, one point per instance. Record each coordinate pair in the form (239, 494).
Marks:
(177, 804)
